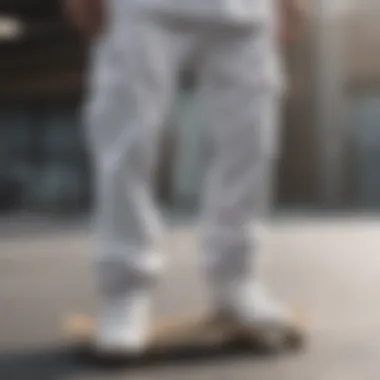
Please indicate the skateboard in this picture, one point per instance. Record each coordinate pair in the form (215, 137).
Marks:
(201, 333)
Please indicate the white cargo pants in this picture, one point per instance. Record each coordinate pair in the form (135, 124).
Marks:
(136, 64)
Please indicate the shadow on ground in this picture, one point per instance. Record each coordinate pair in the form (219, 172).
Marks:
(53, 362)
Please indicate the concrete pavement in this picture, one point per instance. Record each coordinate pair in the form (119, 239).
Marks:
(330, 267)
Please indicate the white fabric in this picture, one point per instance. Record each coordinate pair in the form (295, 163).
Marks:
(136, 63)
(237, 11)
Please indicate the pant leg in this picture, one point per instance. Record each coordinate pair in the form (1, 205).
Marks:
(242, 87)
(134, 68)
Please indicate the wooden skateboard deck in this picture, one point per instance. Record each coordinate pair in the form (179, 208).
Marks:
(181, 334)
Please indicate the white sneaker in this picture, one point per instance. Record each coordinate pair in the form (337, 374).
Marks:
(252, 305)
(252, 308)
(124, 324)
(258, 317)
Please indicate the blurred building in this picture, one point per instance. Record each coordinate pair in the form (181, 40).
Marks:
(324, 162)
(43, 162)
(362, 103)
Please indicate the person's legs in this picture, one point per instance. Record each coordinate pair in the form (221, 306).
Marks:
(242, 88)
(133, 77)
